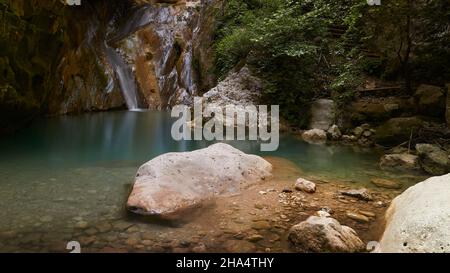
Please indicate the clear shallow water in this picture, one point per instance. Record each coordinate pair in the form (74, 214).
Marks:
(63, 171)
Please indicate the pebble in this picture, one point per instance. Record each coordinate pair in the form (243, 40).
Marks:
(82, 225)
(367, 213)
(358, 217)
(255, 238)
(260, 225)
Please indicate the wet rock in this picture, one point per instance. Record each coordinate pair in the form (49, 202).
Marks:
(315, 136)
(433, 159)
(324, 234)
(367, 213)
(200, 248)
(322, 114)
(362, 194)
(418, 220)
(387, 184)
(254, 238)
(104, 227)
(82, 225)
(46, 219)
(334, 133)
(400, 162)
(358, 217)
(193, 178)
(305, 185)
(260, 225)
(239, 246)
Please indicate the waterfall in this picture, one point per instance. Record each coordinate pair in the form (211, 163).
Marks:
(125, 77)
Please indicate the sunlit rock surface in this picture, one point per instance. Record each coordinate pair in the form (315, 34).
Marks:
(171, 183)
(419, 219)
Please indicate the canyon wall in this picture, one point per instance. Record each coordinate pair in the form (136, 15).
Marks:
(102, 55)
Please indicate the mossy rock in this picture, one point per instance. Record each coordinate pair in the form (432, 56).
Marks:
(398, 130)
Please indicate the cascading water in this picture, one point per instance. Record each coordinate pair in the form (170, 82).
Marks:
(125, 77)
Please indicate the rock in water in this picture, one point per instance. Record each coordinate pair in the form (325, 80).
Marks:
(322, 114)
(387, 184)
(315, 136)
(418, 220)
(174, 182)
(324, 234)
(305, 186)
(400, 162)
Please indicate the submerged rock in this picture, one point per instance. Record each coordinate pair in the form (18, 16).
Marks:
(315, 136)
(418, 220)
(324, 234)
(174, 182)
(400, 162)
(387, 184)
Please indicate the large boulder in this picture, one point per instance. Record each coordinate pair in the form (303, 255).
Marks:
(368, 109)
(324, 234)
(322, 114)
(418, 220)
(174, 182)
(431, 100)
(397, 130)
(400, 162)
(433, 159)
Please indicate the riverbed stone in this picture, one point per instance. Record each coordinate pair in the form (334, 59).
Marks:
(315, 136)
(358, 217)
(324, 234)
(171, 183)
(387, 184)
(418, 220)
(305, 185)
(362, 194)
(400, 162)
(433, 159)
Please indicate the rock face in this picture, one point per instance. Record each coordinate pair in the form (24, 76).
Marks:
(431, 100)
(419, 219)
(447, 114)
(322, 114)
(238, 88)
(397, 130)
(174, 182)
(305, 186)
(433, 159)
(324, 234)
(400, 162)
(315, 136)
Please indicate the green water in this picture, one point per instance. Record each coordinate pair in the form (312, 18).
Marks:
(62, 171)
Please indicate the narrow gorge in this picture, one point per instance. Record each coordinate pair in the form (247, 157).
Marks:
(88, 152)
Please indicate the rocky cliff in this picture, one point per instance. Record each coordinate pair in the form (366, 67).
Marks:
(59, 59)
